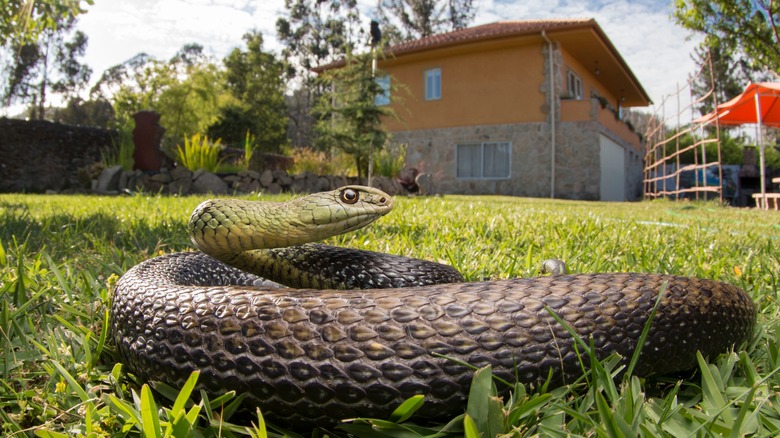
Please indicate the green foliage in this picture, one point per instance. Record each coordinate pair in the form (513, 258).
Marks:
(405, 20)
(313, 36)
(745, 29)
(120, 153)
(724, 69)
(390, 162)
(349, 118)
(233, 122)
(254, 78)
(22, 21)
(60, 257)
(48, 65)
(199, 153)
(249, 150)
(187, 91)
(321, 163)
(730, 148)
(98, 112)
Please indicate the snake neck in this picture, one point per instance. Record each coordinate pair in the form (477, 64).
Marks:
(224, 228)
(276, 265)
(315, 266)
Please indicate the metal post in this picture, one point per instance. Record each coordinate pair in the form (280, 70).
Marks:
(376, 38)
(764, 205)
(371, 144)
(552, 113)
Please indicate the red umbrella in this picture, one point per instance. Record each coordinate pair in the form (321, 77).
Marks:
(760, 104)
(742, 109)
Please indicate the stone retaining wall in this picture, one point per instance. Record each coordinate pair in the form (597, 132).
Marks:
(36, 155)
(180, 181)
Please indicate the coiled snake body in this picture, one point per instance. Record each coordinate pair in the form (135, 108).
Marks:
(309, 356)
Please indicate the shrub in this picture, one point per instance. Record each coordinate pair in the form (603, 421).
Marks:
(321, 163)
(121, 152)
(199, 153)
(389, 162)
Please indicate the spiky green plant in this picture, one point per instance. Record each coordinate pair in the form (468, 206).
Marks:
(199, 153)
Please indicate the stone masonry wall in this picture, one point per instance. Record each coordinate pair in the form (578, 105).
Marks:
(434, 152)
(36, 156)
(577, 160)
(180, 181)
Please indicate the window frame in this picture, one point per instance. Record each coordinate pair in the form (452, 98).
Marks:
(482, 146)
(574, 85)
(428, 89)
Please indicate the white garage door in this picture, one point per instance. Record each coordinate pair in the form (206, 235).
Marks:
(613, 170)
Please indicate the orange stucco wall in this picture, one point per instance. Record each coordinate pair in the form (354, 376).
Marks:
(487, 85)
(590, 81)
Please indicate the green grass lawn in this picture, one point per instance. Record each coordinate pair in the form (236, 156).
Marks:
(59, 255)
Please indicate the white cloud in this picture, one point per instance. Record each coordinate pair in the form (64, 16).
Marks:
(656, 49)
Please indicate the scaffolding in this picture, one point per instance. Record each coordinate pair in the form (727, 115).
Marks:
(664, 174)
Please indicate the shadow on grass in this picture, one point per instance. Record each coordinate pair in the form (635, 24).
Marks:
(88, 237)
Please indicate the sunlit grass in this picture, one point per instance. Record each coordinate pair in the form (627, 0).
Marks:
(60, 375)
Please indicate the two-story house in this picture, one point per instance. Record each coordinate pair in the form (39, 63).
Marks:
(524, 108)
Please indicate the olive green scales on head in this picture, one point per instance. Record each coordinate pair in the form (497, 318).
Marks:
(227, 226)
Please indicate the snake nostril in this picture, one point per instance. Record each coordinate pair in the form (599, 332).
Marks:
(382, 200)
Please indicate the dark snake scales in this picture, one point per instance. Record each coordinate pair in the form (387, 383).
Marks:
(312, 357)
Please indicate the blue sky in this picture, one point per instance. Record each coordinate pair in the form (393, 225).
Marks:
(657, 50)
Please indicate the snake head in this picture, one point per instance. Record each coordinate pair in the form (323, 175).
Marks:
(344, 209)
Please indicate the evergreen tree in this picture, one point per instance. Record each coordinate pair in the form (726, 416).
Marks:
(722, 73)
(349, 117)
(314, 33)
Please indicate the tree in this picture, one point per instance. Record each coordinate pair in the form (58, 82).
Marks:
(188, 91)
(746, 28)
(113, 78)
(254, 79)
(313, 33)
(22, 21)
(720, 73)
(86, 113)
(49, 64)
(350, 118)
(414, 19)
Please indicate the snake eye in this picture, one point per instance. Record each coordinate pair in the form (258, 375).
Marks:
(349, 196)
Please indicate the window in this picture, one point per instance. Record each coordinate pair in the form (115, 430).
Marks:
(383, 97)
(484, 160)
(573, 85)
(432, 88)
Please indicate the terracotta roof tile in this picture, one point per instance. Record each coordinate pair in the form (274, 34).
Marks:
(495, 30)
(499, 29)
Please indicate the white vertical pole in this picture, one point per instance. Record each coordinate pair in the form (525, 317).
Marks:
(552, 113)
(761, 151)
(371, 145)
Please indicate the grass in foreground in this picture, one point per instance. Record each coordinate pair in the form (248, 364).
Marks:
(60, 376)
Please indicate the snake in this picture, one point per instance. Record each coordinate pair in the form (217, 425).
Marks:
(312, 334)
